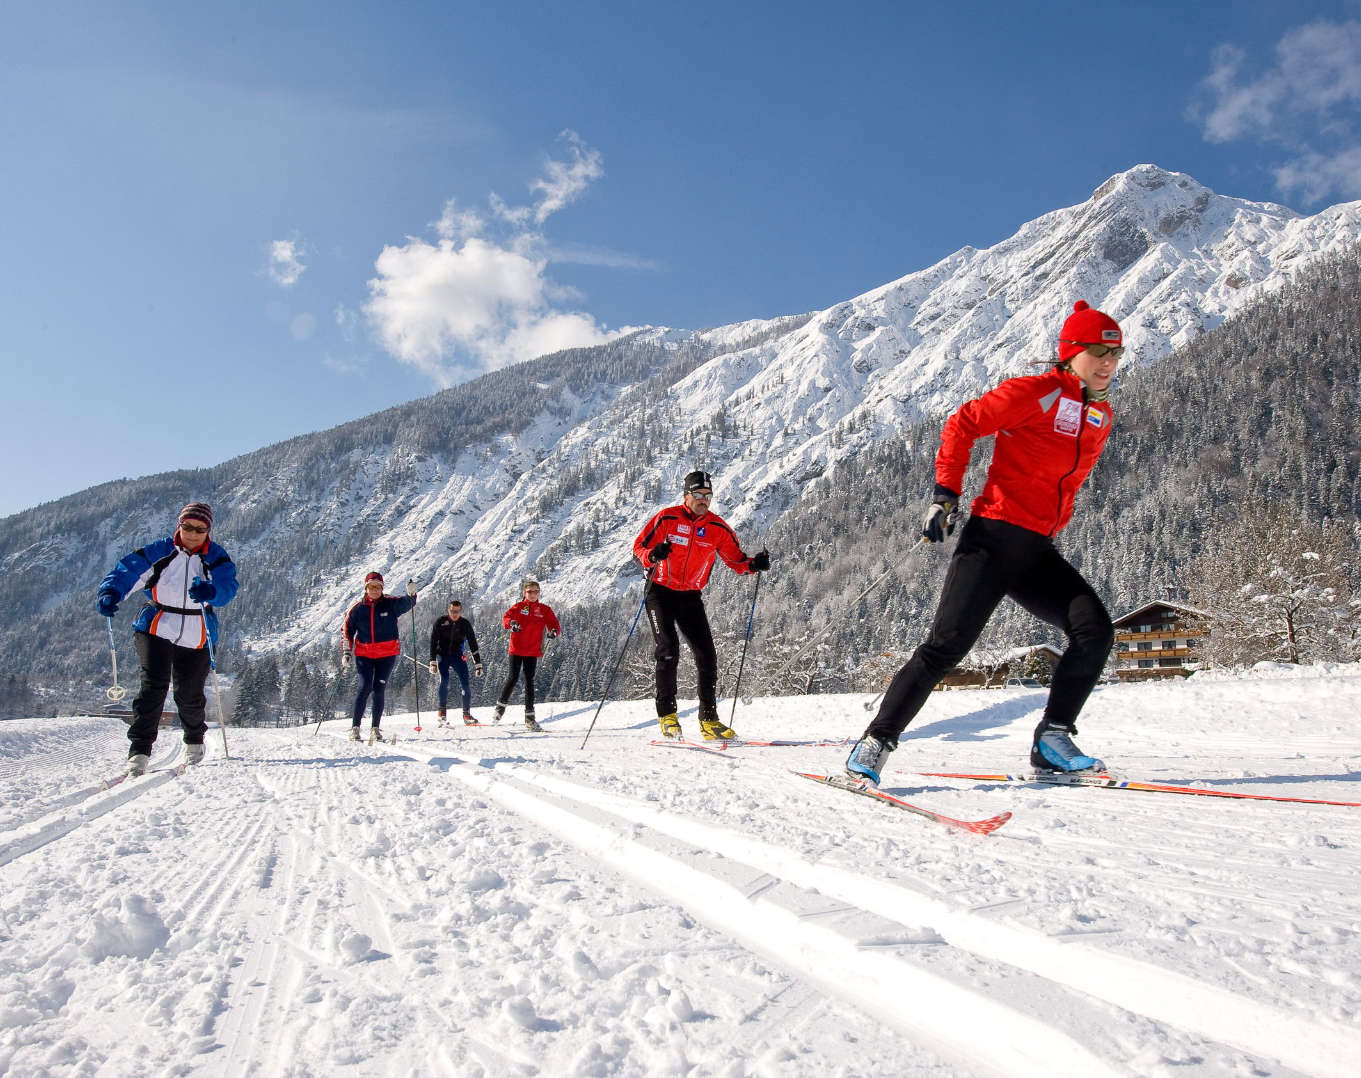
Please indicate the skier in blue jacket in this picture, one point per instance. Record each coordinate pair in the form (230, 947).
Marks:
(185, 577)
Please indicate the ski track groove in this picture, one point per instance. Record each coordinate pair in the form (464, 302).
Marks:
(1202, 1020)
(269, 946)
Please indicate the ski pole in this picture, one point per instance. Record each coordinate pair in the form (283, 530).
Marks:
(743, 661)
(415, 666)
(217, 683)
(647, 584)
(784, 667)
(114, 692)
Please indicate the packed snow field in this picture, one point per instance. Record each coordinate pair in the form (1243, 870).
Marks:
(486, 901)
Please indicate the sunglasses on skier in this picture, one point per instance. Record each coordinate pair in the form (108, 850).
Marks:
(196, 529)
(1101, 351)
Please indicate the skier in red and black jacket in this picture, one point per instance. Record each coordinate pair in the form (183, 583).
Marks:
(370, 637)
(1050, 429)
(678, 547)
(528, 621)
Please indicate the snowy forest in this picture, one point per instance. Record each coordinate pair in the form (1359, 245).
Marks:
(1231, 483)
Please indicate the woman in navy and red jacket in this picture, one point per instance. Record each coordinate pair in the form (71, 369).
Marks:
(528, 621)
(371, 636)
(1050, 430)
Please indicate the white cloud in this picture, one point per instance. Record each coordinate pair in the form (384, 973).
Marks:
(1307, 106)
(478, 296)
(285, 264)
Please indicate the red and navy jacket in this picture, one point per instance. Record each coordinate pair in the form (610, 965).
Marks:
(1049, 437)
(371, 625)
(695, 542)
(533, 619)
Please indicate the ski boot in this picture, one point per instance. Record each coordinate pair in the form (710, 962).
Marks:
(376, 734)
(531, 725)
(714, 730)
(1054, 751)
(468, 719)
(498, 712)
(866, 761)
(137, 764)
(443, 721)
(354, 733)
(670, 725)
(193, 754)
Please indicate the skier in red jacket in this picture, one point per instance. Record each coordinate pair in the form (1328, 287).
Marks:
(528, 622)
(678, 547)
(1050, 430)
(372, 643)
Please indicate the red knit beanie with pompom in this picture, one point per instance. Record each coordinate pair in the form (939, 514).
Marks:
(1085, 326)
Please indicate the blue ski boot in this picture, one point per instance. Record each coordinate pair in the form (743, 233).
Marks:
(1054, 750)
(867, 759)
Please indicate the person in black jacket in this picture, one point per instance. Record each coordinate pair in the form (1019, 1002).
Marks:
(447, 638)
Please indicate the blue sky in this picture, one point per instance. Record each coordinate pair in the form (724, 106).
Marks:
(227, 226)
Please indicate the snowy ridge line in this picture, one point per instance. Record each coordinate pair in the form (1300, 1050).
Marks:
(39, 833)
(1319, 1049)
(937, 1013)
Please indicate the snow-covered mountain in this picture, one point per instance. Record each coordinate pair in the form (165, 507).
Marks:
(1163, 254)
(551, 466)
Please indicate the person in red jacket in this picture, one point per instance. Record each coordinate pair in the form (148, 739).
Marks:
(1050, 430)
(678, 547)
(370, 638)
(528, 622)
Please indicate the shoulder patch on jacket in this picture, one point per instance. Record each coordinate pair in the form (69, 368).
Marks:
(1047, 401)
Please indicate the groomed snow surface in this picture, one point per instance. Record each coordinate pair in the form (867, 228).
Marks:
(485, 901)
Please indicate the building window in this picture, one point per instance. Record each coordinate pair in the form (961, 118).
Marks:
(1144, 663)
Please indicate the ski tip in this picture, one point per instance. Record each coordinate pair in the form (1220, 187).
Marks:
(987, 827)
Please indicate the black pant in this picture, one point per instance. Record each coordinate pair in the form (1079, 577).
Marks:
(163, 662)
(995, 559)
(667, 612)
(373, 681)
(527, 663)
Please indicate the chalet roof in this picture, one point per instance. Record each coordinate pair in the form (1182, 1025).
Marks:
(1134, 615)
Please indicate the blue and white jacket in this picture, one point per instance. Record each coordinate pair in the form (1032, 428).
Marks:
(164, 569)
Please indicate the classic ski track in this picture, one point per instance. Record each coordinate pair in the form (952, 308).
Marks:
(1156, 993)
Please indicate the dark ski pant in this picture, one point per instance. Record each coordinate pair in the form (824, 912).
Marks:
(459, 666)
(373, 683)
(528, 664)
(668, 612)
(995, 559)
(164, 663)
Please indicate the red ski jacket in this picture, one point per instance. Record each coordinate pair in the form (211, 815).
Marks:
(534, 619)
(371, 626)
(1048, 440)
(695, 542)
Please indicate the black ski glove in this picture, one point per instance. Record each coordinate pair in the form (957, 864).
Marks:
(108, 603)
(515, 626)
(660, 552)
(759, 563)
(941, 517)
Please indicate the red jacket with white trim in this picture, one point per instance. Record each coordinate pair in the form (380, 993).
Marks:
(534, 619)
(695, 543)
(1048, 438)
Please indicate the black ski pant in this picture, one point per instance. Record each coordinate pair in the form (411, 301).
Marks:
(995, 559)
(164, 663)
(373, 683)
(526, 664)
(668, 612)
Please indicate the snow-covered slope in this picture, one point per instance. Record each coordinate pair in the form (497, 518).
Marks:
(1165, 255)
(487, 902)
